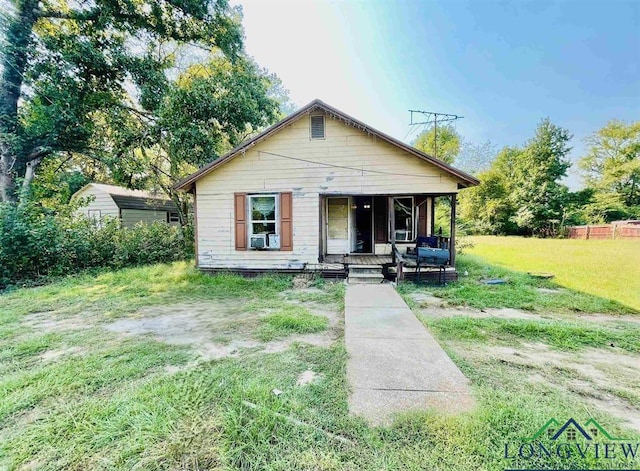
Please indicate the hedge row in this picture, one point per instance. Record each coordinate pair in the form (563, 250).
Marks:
(36, 244)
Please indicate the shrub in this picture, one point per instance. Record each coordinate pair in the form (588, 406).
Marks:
(36, 244)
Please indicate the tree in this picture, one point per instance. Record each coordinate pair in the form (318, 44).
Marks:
(67, 66)
(488, 208)
(536, 192)
(446, 146)
(521, 193)
(208, 110)
(611, 169)
(475, 158)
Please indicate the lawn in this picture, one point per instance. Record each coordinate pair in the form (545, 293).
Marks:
(96, 372)
(606, 268)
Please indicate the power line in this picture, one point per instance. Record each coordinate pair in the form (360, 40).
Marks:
(344, 167)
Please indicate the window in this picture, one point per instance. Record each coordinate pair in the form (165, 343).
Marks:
(263, 222)
(571, 434)
(404, 215)
(317, 127)
(96, 217)
(173, 217)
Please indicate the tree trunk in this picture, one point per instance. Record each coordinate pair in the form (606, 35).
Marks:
(14, 61)
(29, 174)
(6, 182)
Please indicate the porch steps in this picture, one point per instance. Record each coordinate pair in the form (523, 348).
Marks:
(365, 274)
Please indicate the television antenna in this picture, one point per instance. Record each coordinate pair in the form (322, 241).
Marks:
(433, 118)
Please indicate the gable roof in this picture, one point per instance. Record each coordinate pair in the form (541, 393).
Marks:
(187, 183)
(126, 198)
(136, 202)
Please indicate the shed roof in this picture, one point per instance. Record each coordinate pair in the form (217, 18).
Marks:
(463, 178)
(137, 202)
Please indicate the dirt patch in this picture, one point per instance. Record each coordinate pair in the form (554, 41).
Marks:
(302, 281)
(307, 377)
(550, 290)
(217, 329)
(439, 312)
(609, 318)
(605, 378)
(51, 320)
(50, 355)
(425, 298)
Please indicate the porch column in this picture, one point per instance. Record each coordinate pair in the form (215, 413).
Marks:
(321, 229)
(392, 228)
(452, 239)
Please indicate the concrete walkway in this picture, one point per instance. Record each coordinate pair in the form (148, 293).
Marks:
(394, 363)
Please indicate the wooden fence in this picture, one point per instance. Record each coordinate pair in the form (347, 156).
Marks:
(605, 231)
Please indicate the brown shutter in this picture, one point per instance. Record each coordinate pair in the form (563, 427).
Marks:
(240, 203)
(422, 216)
(286, 221)
(380, 219)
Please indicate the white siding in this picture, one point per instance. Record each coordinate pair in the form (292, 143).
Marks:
(308, 168)
(102, 202)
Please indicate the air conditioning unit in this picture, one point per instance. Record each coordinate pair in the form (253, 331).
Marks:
(274, 241)
(258, 241)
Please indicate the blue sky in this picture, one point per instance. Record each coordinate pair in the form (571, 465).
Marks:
(502, 65)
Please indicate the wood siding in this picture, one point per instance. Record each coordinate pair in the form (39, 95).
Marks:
(292, 162)
(102, 202)
(131, 217)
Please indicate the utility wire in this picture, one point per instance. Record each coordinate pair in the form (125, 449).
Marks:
(343, 167)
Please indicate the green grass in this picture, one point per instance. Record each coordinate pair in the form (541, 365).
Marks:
(559, 334)
(117, 293)
(290, 320)
(126, 402)
(607, 269)
(520, 291)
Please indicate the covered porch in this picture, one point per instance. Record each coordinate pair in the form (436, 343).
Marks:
(384, 230)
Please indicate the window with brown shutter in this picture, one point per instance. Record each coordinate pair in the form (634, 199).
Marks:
(264, 221)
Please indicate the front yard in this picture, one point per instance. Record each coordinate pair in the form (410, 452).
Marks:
(164, 368)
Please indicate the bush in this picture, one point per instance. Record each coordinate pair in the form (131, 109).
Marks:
(36, 244)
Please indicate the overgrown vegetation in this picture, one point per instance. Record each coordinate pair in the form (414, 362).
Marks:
(78, 396)
(36, 244)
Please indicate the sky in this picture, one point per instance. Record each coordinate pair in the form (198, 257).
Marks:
(503, 66)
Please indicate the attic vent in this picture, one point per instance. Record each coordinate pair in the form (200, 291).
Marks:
(317, 127)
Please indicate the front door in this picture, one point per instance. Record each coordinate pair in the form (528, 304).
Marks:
(338, 220)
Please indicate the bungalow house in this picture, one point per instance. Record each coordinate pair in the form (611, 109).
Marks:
(319, 191)
(129, 206)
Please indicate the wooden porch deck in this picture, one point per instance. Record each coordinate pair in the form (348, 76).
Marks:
(359, 259)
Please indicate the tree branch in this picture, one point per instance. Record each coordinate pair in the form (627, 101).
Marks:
(87, 16)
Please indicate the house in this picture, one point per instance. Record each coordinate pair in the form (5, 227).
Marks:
(318, 191)
(129, 206)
